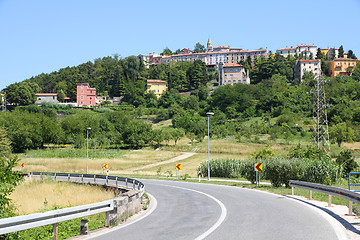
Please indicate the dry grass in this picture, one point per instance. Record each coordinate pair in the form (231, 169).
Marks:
(34, 195)
(136, 158)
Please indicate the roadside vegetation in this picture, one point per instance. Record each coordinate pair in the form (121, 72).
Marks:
(268, 121)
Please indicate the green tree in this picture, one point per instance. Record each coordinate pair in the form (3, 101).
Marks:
(356, 74)
(5, 144)
(351, 54)
(177, 134)
(341, 52)
(347, 160)
(199, 48)
(166, 52)
(318, 54)
(157, 136)
(22, 93)
(8, 178)
(341, 133)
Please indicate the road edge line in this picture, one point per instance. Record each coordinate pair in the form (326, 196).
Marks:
(151, 209)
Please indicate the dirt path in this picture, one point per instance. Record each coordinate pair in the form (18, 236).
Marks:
(178, 158)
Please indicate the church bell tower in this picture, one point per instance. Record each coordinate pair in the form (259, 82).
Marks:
(209, 46)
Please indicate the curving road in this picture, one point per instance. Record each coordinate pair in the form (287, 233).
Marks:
(205, 211)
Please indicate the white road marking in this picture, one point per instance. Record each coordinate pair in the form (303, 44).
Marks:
(153, 203)
(218, 222)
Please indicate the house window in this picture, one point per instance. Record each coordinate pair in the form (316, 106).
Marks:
(90, 102)
(82, 86)
(82, 97)
(82, 91)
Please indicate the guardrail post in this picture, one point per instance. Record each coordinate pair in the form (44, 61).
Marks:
(82, 177)
(126, 182)
(84, 227)
(350, 208)
(107, 221)
(329, 202)
(69, 177)
(41, 175)
(310, 195)
(292, 190)
(133, 183)
(55, 231)
(107, 180)
(94, 178)
(55, 176)
(116, 179)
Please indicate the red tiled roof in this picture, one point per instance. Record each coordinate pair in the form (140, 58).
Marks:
(287, 48)
(221, 47)
(345, 59)
(155, 81)
(314, 60)
(45, 94)
(306, 46)
(232, 65)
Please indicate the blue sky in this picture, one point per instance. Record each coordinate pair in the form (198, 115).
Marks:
(42, 36)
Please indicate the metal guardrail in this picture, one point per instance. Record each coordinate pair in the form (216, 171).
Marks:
(331, 191)
(19, 223)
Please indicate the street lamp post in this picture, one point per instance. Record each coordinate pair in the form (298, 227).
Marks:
(208, 115)
(87, 150)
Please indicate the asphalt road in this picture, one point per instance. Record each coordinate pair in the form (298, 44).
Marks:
(205, 211)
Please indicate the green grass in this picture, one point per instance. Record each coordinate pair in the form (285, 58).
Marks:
(65, 229)
(70, 152)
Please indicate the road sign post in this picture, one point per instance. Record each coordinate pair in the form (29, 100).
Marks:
(177, 168)
(199, 176)
(22, 167)
(105, 168)
(258, 167)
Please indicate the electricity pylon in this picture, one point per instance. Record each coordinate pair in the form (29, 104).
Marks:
(321, 129)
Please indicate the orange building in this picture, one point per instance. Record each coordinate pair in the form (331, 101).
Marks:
(342, 66)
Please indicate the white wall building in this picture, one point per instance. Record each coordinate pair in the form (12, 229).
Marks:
(302, 66)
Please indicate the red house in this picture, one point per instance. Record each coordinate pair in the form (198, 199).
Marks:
(85, 95)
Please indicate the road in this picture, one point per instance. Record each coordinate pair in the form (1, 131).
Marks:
(205, 211)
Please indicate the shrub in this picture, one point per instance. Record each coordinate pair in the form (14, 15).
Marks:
(348, 162)
(229, 168)
(278, 170)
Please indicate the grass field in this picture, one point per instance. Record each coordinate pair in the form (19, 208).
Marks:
(121, 162)
(41, 195)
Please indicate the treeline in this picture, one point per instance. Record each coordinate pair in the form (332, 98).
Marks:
(112, 77)
(233, 105)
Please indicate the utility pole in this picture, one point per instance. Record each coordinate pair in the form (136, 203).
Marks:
(321, 129)
(4, 103)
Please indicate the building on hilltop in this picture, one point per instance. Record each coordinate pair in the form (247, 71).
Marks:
(302, 66)
(232, 73)
(287, 51)
(185, 51)
(212, 56)
(156, 86)
(46, 97)
(342, 67)
(304, 50)
(85, 95)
